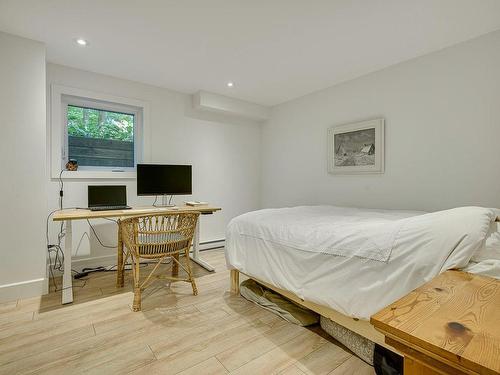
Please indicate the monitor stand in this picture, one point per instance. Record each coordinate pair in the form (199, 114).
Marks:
(165, 202)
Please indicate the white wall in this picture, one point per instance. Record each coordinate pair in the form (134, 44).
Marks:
(22, 184)
(442, 116)
(442, 129)
(224, 153)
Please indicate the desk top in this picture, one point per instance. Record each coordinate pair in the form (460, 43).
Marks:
(455, 316)
(82, 214)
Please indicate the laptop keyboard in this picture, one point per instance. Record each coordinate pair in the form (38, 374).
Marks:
(109, 208)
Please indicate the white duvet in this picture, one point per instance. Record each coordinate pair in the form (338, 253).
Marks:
(355, 261)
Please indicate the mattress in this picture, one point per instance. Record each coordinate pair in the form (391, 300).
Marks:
(414, 248)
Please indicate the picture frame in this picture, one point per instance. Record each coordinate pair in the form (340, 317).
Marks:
(356, 148)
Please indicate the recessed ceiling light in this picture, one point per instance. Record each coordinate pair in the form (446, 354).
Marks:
(82, 42)
(230, 84)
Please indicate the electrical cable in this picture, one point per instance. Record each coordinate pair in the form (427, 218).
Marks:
(88, 270)
(97, 237)
(58, 262)
(61, 189)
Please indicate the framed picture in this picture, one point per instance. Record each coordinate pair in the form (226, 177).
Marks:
(356, 148)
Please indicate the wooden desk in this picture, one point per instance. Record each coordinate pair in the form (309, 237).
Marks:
(451, 325)
(83, 214)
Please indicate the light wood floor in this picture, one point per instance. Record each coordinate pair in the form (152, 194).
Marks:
(176, 333)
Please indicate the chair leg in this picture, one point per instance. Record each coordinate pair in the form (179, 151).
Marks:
(193, 285)
(119, 262)
(190, 273)
(137, 288)
(175, 265)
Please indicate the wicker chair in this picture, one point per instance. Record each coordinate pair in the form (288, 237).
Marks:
(156, 237)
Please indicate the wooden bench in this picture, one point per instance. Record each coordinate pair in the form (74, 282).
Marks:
(451, 325)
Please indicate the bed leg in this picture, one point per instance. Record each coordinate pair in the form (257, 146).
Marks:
(235, 281)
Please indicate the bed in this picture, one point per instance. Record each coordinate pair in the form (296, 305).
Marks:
(347, 263)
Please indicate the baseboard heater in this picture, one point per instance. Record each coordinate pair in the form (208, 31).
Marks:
(214, 244)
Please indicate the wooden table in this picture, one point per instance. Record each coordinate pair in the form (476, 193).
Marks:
(83, 214)
(451, 325)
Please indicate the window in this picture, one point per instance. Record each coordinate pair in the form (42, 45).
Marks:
(103, 133)
(99, 138)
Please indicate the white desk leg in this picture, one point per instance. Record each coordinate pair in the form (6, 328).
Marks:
(195, 256)
(67, 292)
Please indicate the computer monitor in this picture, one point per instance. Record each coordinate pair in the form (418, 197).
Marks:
(164, 179)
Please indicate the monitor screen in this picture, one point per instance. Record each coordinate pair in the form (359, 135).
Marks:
(107, 195)
(162, 179)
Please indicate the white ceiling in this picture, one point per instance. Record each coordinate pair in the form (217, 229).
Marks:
(274, 50)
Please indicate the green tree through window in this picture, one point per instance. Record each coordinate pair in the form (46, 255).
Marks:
(95, 123)
(100, 138)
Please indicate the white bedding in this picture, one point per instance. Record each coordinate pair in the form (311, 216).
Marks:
(353, 260)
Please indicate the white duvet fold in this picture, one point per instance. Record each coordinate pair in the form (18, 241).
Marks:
(368, 234)
(335, 231)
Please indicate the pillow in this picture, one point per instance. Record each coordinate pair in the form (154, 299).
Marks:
(491, 248)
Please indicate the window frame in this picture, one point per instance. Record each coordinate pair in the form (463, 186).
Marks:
(61, 97)
(103, 106)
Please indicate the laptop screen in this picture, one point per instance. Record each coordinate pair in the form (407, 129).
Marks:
(107, 195)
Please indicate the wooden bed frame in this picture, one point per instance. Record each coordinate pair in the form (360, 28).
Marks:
(361, 327)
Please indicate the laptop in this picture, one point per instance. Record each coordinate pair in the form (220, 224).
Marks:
(107, 197)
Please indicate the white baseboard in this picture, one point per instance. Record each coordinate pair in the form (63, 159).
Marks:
(209, 245)
(110, 260)
(23, 289)
(38, 287)
(91, 262)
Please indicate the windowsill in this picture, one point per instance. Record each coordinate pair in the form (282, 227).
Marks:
(96, 174)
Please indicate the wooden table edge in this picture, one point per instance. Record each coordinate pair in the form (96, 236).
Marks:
(79, 213)
(425, 347)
